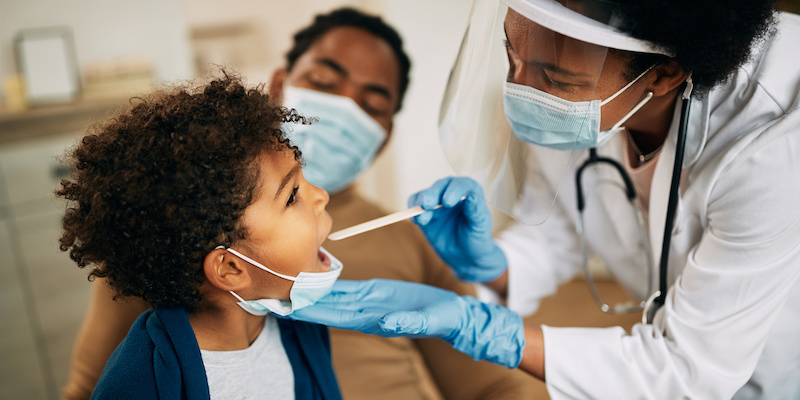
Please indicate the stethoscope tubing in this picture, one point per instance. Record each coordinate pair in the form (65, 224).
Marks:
(656, 302)
(672, 206)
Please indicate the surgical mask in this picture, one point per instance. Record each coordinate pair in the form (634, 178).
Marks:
(338, 147)
(307, 289)
(543, 119)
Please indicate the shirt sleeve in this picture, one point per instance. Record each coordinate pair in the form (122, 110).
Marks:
(707, 339)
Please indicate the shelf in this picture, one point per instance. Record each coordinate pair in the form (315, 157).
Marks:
(55, 119)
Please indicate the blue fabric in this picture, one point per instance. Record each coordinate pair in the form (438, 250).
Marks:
(160, 359)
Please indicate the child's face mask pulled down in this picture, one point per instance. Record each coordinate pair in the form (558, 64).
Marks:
(307, 289)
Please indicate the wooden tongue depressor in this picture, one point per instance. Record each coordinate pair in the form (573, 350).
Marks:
(378, 222)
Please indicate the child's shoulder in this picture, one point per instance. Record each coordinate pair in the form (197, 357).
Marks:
(129, 372)
(159, 357)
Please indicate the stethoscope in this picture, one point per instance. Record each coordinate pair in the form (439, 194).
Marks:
(658, 298)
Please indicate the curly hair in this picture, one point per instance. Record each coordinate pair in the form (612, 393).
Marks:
(710, 38)
(323, 23)
(158, 186)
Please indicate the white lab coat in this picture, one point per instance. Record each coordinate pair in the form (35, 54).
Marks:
(731, 323)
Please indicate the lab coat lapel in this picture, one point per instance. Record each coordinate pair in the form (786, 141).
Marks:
(662, 176)
(696, 140)
(659, 197)
(659, 189)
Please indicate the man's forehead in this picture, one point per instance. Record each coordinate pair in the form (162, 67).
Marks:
(362, 55)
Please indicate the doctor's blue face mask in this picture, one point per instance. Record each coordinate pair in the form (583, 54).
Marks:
(307, 289)
(542, 119)
(340, 145)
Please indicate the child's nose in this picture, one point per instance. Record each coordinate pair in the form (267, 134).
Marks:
(321, 197)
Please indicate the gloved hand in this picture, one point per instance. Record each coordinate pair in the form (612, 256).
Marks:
(460, 231)
(397, 308)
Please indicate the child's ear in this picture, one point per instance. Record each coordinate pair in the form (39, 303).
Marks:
(225, 271)
(668, 77)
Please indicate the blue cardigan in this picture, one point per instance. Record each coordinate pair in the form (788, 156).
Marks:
(160, 359)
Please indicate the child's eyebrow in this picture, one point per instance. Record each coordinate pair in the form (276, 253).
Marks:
(286, 180)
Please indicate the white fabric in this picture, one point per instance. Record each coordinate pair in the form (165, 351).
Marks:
(732, 313)
(554, 16)
(261, 371)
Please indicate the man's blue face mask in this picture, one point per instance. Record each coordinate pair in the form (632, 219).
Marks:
(338, 147)
(542, 119)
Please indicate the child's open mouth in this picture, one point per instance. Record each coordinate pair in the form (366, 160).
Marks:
(324, 258)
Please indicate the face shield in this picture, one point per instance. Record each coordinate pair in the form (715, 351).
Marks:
(523, 97)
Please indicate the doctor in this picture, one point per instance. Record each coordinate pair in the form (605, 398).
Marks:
(663, 138)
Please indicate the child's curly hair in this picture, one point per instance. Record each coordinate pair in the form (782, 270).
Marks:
(160, 185)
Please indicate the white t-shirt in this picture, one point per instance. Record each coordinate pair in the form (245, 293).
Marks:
(261, 371)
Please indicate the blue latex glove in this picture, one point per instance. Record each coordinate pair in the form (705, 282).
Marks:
(460, 231)
(397, 308)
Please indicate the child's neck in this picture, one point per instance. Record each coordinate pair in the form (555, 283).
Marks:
(225, 328)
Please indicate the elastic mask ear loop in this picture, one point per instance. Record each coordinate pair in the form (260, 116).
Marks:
(633, 111)
(258, 264)
(237, 296)
(638, 106)
(614, 96)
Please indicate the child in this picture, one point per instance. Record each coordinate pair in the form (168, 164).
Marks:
(194, 201)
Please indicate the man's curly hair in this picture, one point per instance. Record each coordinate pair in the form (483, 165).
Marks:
(158, 186)
(710, 38)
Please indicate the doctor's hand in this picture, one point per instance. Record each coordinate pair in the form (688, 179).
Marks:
(397, 308)
(461, 230)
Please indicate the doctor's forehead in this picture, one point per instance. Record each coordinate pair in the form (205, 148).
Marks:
(535, 42)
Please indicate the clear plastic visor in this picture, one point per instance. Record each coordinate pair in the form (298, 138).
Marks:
(521, 99)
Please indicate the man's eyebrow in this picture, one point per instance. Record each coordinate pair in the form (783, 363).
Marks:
(333, 65)
(286, 180)
(373, 87)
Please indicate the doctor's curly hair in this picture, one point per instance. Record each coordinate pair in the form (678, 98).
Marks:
(710, 38)
(160, 185)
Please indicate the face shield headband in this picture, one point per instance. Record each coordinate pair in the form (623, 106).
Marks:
(586, 27)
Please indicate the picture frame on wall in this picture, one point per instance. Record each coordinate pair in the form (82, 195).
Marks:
(47, 62)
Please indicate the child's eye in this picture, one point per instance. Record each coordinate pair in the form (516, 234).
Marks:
(292, 196)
